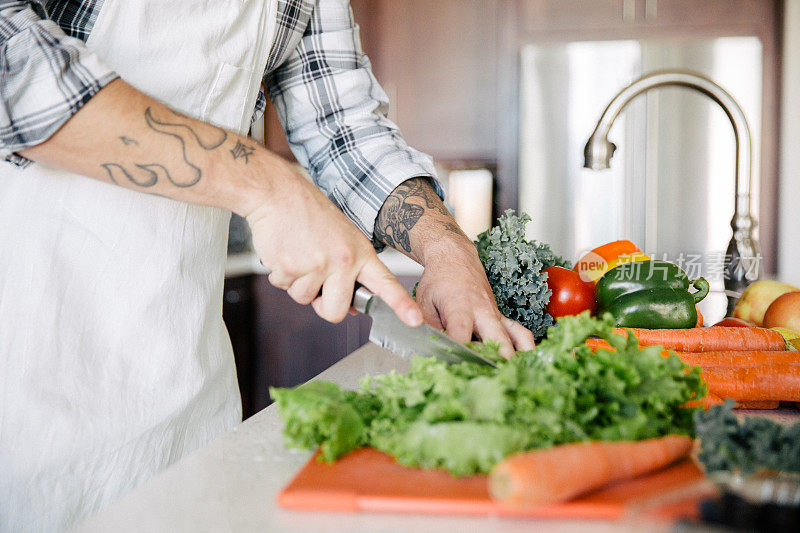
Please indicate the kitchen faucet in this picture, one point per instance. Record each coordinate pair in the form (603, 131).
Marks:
(742, 257)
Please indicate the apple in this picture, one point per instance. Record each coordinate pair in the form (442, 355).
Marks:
(757, 297)
(784, 312)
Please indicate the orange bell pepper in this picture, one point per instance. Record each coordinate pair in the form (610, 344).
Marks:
(594, 264)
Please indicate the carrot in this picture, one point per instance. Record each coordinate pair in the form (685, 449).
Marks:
(562, 472)
(760, 376)
(766, 382)
(738, 358)
(709, 339)
(599, 344)
(730, 358)
(699, 318)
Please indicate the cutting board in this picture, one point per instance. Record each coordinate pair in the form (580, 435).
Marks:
(367, 480)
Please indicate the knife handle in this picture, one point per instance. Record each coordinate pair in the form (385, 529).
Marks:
(361, 298)
(361, 295)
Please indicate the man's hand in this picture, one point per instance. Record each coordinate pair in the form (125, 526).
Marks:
(454, 293)
(124, 137)
(309, 245)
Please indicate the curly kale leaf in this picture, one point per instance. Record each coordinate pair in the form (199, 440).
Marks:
(749, 446)
(514, 267)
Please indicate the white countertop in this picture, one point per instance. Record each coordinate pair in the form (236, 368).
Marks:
(231, 484)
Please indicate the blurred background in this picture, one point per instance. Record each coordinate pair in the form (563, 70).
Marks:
(504, 94)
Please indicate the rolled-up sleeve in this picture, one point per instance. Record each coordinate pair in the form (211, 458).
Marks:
(45, 77)
(334, 114)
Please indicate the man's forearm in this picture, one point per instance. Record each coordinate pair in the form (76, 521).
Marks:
(453, 292)
(415, 221)
(123, 136)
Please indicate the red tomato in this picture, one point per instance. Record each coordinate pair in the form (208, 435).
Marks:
(732, 322)
(571, 295)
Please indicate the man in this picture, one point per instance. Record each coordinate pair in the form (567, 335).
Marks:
(114, 361)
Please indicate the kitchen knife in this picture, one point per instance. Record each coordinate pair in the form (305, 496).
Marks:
(389, 332)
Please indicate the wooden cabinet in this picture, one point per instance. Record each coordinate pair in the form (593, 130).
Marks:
(294, 343)
(449, 66)
(239, 313)
(438, 64)
(278, 343)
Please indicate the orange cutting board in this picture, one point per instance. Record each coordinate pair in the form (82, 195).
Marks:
(368, 480)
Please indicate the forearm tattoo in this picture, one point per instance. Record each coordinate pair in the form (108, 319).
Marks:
(404, 208)
(242, 151)
(193, 142)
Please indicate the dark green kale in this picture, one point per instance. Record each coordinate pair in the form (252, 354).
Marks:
(514, 267)
(755, 444)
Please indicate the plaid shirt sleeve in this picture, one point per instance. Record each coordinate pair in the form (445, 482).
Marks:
(45, 77)
(334, 114)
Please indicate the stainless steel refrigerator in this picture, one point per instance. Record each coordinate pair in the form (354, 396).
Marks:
(670, 188)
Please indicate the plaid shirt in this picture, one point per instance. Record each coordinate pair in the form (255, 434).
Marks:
(317, 76)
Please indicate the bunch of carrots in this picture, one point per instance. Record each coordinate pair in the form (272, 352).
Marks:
(747, 364)
(563, 472)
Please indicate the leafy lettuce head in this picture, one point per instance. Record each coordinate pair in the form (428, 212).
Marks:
(466, 417)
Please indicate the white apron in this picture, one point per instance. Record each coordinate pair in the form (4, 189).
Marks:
(114, 360)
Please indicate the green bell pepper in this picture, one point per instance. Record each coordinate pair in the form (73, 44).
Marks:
(650, 294)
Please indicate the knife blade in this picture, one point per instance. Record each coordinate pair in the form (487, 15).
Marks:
(389, 332)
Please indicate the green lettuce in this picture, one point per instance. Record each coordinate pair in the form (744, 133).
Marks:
(321, 414)
(466, 417)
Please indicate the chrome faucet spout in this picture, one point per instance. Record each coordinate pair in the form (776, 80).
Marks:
(741, 259)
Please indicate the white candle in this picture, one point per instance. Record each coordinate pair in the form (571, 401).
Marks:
(470, 196)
